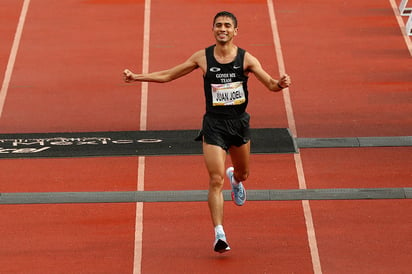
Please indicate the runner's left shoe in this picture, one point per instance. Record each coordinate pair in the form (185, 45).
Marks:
(238, 190)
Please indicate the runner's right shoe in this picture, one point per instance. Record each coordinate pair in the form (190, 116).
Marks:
(238, 190)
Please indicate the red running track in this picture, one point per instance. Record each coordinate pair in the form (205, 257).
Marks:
(351, 77)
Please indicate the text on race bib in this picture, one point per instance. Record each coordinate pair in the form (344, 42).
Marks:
(228, 94)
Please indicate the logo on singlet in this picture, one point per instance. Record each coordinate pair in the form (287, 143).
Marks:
(214, 69)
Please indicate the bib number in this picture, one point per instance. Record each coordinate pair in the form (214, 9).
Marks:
(228, 94)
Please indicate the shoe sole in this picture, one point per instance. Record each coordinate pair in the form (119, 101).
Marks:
(221, 246)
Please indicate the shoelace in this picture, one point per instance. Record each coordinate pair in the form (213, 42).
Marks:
(239, 191)
(221, 237)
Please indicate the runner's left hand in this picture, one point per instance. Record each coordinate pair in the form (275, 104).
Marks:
(128, 76)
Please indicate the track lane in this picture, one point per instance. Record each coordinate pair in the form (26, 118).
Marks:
(9, 14)
(65, 80)
(68, 72)
(351, 69)
(178, 226)
(13, 52)
(174, 232)
(75, 238)
(189, 30)
(361, 236)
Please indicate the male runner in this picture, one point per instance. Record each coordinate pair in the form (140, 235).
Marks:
(225, 126)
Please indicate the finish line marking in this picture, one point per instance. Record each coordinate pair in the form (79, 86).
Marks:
(171, 142)
(201, 196)
(129, 143)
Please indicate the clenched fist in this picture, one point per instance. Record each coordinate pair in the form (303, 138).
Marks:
(128, 76)
(284, 81)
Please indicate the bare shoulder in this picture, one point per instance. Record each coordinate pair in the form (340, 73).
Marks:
(251, 62)
(199, 58)
(199, 54)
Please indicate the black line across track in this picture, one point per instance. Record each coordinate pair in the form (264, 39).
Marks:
(167, 142)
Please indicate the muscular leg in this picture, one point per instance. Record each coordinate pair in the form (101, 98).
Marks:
(215, 158)
(240, 161)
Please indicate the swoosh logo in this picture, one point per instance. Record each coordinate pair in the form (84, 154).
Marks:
(236, 67)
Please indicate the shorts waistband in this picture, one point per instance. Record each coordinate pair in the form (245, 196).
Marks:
(220, 117)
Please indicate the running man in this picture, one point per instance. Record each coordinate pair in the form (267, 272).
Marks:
(225, 126)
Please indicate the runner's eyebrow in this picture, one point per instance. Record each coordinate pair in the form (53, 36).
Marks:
(226, 24)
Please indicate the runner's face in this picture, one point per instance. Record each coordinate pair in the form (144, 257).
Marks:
(224, 29)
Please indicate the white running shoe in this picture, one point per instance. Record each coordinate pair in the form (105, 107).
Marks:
(238, 190)
(221, 244)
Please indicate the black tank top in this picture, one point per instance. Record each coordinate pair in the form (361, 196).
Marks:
(225, 86)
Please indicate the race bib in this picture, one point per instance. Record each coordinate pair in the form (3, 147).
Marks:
(228, 94)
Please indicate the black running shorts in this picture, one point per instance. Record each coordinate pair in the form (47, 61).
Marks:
(225, 132)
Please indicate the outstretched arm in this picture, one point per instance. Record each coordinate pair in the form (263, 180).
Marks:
(253, 65)
(165, 75)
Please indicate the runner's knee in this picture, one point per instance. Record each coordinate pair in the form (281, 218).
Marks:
(216, 181)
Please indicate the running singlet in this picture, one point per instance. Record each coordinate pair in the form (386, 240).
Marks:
(225, 86)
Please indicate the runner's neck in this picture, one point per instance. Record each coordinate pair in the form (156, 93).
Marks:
(225, 53)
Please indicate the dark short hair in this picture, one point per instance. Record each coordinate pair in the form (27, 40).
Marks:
(226, 14)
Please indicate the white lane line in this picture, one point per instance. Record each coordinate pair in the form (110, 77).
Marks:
(310, 229)
(138, 232)
(13, 54)
(138, 237)
(145, 66)
(401, 25)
